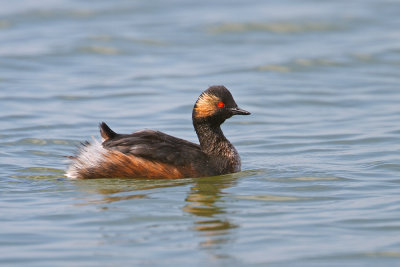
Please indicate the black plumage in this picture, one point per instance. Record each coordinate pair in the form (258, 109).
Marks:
(156, 146)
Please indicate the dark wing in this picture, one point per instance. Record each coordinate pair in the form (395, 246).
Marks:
(158, 146)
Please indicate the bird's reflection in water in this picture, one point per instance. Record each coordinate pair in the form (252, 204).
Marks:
(204, 201)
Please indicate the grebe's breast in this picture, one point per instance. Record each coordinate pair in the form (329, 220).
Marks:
(226, 158)
(235, 159)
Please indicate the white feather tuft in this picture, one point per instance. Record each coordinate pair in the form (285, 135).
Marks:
(89, 156)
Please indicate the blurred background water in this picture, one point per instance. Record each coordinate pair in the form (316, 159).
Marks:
(320, 152)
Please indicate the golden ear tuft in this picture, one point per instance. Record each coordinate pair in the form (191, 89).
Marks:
(206, 105)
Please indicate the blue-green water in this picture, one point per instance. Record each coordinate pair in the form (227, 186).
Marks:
(320, 152)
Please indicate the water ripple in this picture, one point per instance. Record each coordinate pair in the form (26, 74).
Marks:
(277, 27)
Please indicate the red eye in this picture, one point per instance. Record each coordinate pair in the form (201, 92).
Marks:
(221, 104)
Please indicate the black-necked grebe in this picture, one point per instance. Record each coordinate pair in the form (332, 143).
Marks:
(153, 154)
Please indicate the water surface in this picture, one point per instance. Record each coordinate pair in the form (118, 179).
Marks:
(320, 152)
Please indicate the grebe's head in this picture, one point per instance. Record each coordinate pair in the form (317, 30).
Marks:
(215, 105)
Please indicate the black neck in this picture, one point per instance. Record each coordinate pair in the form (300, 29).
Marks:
(211, 137)
(223, 155)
